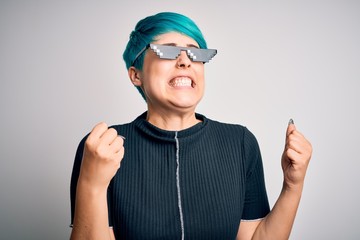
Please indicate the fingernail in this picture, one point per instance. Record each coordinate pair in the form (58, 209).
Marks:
(291, 121)
(122, 137)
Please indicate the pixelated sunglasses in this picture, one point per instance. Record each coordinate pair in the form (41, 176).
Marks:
(172, 52)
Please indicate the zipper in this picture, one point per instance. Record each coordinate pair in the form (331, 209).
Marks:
(178, 185)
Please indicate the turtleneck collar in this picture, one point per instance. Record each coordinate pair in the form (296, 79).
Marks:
(166, 135)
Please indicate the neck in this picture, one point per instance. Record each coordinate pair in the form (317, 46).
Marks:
(171, 121)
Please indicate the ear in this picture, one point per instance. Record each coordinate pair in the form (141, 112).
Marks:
(135, 76)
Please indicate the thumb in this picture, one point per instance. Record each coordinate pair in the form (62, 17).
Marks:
(290, 128)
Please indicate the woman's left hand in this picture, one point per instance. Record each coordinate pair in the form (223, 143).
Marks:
(295, 158)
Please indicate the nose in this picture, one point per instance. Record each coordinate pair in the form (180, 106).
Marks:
(183, 61)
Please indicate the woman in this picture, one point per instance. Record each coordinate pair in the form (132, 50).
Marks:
(182, 176)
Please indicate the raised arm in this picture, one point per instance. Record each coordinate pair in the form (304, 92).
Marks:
(278, 223)
(103, 153)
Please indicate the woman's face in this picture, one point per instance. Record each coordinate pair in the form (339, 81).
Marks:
(172, 84)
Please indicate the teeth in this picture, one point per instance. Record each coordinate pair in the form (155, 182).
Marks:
(181, 82)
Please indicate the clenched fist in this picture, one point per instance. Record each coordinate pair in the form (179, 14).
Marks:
(296, 156)
(103, 153)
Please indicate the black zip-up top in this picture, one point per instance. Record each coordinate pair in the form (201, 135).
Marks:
(198, 183)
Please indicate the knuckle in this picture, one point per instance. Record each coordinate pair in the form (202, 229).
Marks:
(101, 151)
(89, 143)
(292, 137)
(290, 143)
(120, 153)
(289, 152)
(98, 152)
(119, 141)
(112, 131)
(102, 125)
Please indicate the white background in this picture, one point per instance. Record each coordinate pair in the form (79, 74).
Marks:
(61, 72)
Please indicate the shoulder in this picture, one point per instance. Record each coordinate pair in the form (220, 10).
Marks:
(122, 127)
(237, 133)
(225, 126)
(232, 129)
(125, 128)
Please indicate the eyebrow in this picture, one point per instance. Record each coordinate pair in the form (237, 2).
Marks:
(174, 44)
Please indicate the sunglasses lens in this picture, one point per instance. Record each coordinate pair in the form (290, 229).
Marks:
(172, 52)
(165, 52)
(201, 55)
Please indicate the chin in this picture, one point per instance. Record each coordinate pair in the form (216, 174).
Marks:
(186, 103)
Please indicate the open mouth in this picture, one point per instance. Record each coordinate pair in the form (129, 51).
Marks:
(181, 82)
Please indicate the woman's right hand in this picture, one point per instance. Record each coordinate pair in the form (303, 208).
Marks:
(103, 153)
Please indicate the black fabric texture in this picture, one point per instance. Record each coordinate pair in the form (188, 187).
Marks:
(221, 181)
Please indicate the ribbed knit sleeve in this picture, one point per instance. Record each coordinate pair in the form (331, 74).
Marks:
(256, 202)
(75, 175)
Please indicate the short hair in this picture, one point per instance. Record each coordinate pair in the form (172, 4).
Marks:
(147, 29)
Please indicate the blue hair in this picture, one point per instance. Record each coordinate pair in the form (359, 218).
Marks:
(147, 29)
